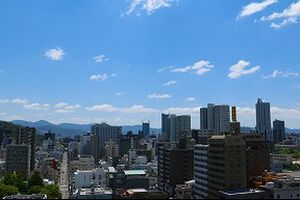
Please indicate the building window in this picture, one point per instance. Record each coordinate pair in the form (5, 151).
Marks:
(278, 196)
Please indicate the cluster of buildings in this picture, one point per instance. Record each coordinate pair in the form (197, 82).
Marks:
(216, 161)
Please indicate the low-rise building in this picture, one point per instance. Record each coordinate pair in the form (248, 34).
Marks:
(185, 191)
(89, 178)
(93, 193)
(244, 194)
(284, 188)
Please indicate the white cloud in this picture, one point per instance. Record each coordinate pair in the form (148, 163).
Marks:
(183, 110)
(159, 96)
(288, 16)
(2, 71)
(198, 68)
(101, 58)
(139, 109)
(120, 93)
(4, 101)
(190, 99)
(135, 109)
(63, 107)
(55, 54)
(290, 20)
(169, 83)
(36, 106)
(2, 114)
(98, 77)
(63, 111)
(150, 6)
(255, 7)
(238, 70)
(164, 69)
(20, 101)
(280, 74)
(103, 108)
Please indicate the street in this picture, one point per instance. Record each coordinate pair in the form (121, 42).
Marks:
(64, 177)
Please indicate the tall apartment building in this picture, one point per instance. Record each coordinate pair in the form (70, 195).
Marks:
(258, 158)
(211, 116)
(101, 134)
(27, 136)
(18, 159)
(263, 119)
(215, 117)
(227, 165)
(85, 145)
(278, 131)
(175, 166)
(222, 118)
(173, 127)
(203, 119)
(146, 128)
(200, 171)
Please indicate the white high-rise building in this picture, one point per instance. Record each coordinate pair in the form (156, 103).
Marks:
(222, 118)
(263, 119)
(201, 170)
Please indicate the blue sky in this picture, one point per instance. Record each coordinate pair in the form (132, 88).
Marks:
(125, 61)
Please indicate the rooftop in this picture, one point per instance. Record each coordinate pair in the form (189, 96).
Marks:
(241, 192)
(134, 172)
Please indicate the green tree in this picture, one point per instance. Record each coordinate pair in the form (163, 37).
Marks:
(15, 180)
(6, 190)
(36, 189)
(52, 191)
(35, 179)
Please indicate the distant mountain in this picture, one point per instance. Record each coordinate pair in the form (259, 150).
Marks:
(70, 129)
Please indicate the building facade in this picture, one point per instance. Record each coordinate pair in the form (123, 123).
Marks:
(263, 119)
(278, 131)
(201, 170)
(101, 134)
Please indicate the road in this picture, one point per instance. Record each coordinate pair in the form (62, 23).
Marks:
(64, 177)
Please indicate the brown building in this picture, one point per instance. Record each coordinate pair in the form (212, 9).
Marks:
(227, 165)
(258, 159)
(27, 136)
(175, 166)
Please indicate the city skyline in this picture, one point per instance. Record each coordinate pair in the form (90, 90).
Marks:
(125, 62)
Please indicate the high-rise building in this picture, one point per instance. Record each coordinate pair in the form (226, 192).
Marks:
(146, 128)
(165, 127)
(200, 170)
(211, 116)
(258, 158)
(50, 136)
(222, 118)
(173, 127)
(278, 131)
(227, 165)
(183, 126)
(85, 145)
(263, 119)
(27, 136)
(18, 159)
(215, 117)
(101, 134)
(175, 166)
(203, 119)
